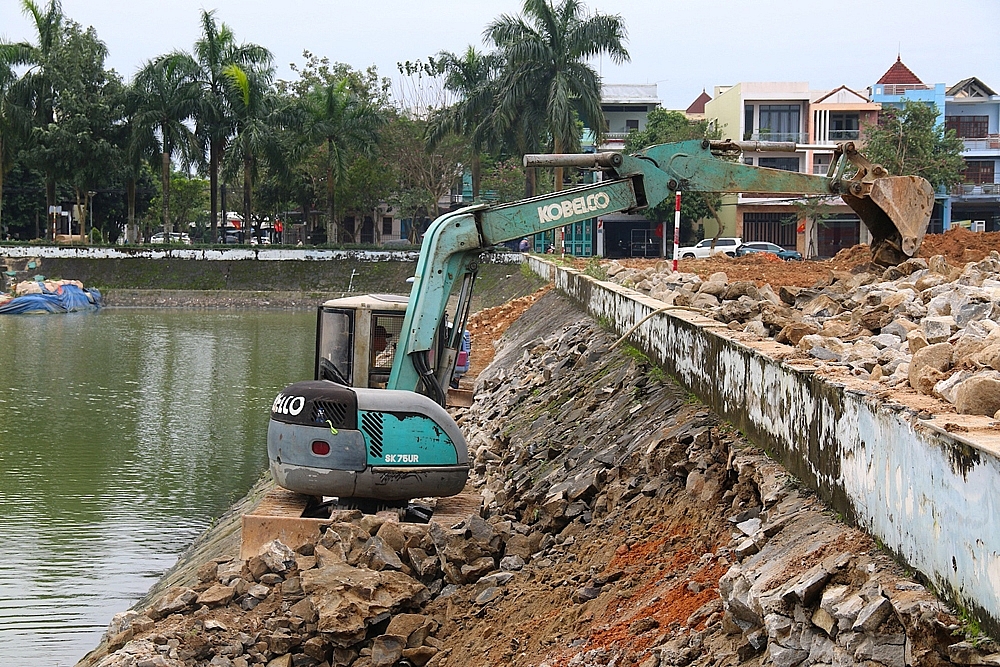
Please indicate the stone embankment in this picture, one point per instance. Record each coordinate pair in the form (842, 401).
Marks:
(623, 524)
(924, 324)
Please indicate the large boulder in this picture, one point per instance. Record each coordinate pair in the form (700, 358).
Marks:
(979, 395)
(349, 599)
(928, 365)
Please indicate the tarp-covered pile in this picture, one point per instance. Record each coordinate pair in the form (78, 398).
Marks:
(51, 296)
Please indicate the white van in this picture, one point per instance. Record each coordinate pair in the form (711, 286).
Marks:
(724, 246)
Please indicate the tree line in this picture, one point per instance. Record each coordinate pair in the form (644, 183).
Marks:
(161, 151)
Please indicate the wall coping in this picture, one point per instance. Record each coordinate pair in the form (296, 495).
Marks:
(258, 253)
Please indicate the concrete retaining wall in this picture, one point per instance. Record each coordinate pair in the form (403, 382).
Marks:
(262, 253)
(931, 496)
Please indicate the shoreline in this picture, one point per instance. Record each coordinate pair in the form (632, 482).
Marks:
(214, 299)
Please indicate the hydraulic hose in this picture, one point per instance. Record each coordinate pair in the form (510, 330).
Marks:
(427, 377)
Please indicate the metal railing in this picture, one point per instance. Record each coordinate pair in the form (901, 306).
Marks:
(991, 142)
(844, 135)
(901, 88)
(972, 190)
(795, 137)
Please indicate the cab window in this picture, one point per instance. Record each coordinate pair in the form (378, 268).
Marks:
(385, 334)
(335, 342)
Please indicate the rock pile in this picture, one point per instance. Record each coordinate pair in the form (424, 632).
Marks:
(924, 323)
(622, 525)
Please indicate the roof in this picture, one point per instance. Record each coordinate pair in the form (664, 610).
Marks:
(971, 87)
(629, 93)
(698, 106)
(900, 74)
(842, 95)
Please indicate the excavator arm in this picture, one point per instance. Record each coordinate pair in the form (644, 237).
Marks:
(895, 209)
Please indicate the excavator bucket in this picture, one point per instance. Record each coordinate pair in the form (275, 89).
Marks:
(896, 212)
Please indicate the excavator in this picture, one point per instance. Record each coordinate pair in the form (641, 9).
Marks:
(368, 429)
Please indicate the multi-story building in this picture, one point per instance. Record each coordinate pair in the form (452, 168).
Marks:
(625, 106)
(789, 112)
(900, 85)
(972, 110)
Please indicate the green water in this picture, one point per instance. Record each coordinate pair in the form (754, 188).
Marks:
(123, 433)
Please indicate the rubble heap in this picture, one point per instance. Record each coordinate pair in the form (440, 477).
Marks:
(924, 324)
(622, 524)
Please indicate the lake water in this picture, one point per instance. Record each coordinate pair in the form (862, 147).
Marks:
(123, 433)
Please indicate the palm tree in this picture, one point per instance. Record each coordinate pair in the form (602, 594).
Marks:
(545, 54)
(472, 76)
(34, 91)
(138, 146)
(213, 53)
(11, 120)
(346, 123)
(168, 96)
(254, 110)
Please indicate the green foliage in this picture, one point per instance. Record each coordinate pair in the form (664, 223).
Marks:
(503, 180)
(594, 269)
(188, 201)
(547, 84)
(907, 141)
(664, 127)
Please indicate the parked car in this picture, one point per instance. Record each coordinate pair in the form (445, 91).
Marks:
(175, 237)
(724, 245)
(751, 247)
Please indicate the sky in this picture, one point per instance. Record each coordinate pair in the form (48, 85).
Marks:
(683, 47)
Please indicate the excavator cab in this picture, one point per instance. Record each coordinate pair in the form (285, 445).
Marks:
(356, 339)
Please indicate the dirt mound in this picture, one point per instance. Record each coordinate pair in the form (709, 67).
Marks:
(489, 324)
(960, 246)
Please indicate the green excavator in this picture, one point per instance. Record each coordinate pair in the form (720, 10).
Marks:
(363, 429)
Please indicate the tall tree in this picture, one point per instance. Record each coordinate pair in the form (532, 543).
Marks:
(545, 53)
(34, 90)
(908, 141)
(254, 112)
(80, 145)
(214, 51)
(471, 76)
(138, 148)
(347, 124)
(169, 95)
(11, 121)
(664, 127)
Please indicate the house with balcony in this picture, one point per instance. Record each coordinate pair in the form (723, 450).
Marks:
(900, 85)
(789, 112)
(625, 106)
(972, 110)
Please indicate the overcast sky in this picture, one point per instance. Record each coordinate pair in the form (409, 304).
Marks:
(683, 47)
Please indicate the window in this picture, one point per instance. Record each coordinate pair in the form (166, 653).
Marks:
(747, 122)
(844, 126)
(631, 124)
(821, 164)
(979, 171)
(387, 225)
(968, 127)
(780, 122)
(783, 163)
(777, 228)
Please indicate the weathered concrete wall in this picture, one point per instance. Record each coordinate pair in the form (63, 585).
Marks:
(319, 273)
(928, 495)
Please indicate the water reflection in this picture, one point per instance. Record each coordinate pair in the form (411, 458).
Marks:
(122, 434)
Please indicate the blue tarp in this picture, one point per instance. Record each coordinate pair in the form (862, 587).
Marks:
(66, 300)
